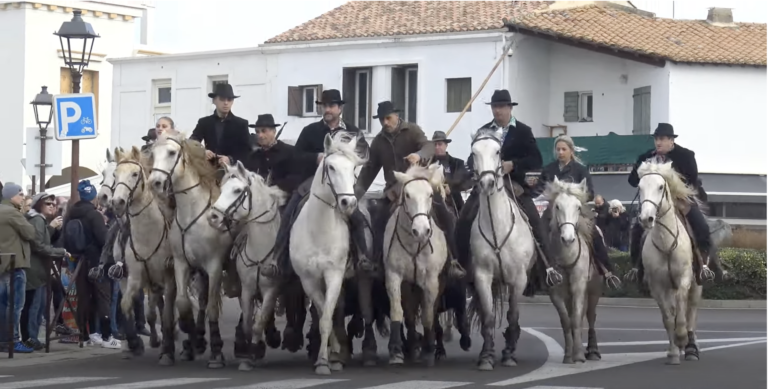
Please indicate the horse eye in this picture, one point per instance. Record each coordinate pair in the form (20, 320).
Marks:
(232, 176)
(407, 196)
(498, 152)
(557, 207)
(135, 174)
(172, 153)
(238, 191)
(661, 187)
(331, 168)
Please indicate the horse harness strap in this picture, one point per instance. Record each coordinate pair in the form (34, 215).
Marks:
(495, 245)
(396, 234)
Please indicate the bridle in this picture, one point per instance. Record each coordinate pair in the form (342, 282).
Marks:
(401, 205)
(497, 171)
(560, 225)
(326, 180)
(660, 214)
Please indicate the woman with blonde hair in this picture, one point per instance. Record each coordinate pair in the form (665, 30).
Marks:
(568, 167)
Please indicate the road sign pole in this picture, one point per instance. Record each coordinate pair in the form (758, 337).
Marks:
(74, 179)
(42, 160)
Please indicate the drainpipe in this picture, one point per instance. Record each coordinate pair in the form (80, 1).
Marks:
(504, 63)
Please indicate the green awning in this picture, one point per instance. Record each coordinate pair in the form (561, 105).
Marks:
(602, 150)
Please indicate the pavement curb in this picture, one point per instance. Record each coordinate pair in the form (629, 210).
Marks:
(648, 302)
(40, 357)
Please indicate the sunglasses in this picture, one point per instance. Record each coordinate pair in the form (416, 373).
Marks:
(50, 204)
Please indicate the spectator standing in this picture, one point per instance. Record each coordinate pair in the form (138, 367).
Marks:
(42, 216)
(84, 236)
(601, 212)
(15, 235)
(617, 226)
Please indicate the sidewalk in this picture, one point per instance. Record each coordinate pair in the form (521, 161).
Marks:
(60, 352)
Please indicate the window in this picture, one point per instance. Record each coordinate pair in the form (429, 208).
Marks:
(161, 98)
(641, 111)
(357, 94)
(458, 93)
(404, 90)
(578, 107)
(302, 100)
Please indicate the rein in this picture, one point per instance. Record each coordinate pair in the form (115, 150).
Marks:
(326, 176)
(660, 214)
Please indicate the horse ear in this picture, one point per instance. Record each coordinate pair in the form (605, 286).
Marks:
(241, 169)
(583, 185)
(401, 177)
(327, 142)
(556, 181)
(135, 153)
(436, 174)
(109, 157)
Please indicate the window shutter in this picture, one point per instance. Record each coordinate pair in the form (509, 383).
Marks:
(319, 108)
(571, 110)
(294, 101)
(641, 110)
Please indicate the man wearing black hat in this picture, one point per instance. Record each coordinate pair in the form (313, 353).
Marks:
(684, 162)
(149, 139)
(310, 146)
(224, 134)
(398, 146)
(519, 155)
(457, 176)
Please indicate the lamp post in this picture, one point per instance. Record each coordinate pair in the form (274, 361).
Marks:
(74, 32)
(43, 106)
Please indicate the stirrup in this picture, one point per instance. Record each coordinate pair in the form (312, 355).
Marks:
(612, 281)
(365, 264)
(455, 270)
(707, 273)
(553, 277)
(631, 275)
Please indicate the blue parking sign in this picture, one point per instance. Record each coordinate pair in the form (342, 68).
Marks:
(75, 116)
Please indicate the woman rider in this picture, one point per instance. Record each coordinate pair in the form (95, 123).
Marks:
(568, 167)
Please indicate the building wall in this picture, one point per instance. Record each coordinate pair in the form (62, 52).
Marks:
(714, 105)
(34, 59)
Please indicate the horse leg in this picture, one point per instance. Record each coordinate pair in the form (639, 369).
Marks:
(439, 336)
(168, 322)
(578, 298)
(153, 301)
(201, 344)
(484, 296)
(365, 301)
(512, 334)
(393, 283)
(241, 344)
(666, 301)
(429, 292)
(461, 318)
(411, 298)
(135, 343)
(449, 324)
(247, 296)
(184, 306)
(295, 314)
(681, 325)
(213, 310)
(271, 333)
(313, 336)
(558, 300)
(340, 341)
(594, 291)
(692, 313)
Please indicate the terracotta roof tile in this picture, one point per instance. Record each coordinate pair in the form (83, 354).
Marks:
(358, 19)
(686, 41)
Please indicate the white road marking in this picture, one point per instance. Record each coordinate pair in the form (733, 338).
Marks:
(157, 383)
(731, 345)
(561, 387)
(554, 349)
(650, 342)
(656, 307)
(50, 382)
(289, 384)
(420, 385)
(656, 329)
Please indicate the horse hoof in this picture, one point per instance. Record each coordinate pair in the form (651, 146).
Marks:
(691, 355)
(440, 354)
(259, 350)
(579, 358)
(166, 360)
(465, 342)
(673, 359)
(245, 366)
(568, 360)
(396, 359)
(187, 355)
(509, 362)
(485, 366)
(337, 366)
(593, 356)
(322, 370)
(273, 339)
(429, 359)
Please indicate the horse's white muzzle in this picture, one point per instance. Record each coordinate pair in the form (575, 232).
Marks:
(567, 235)
(104, 199)
(347, 204)
(216, 219)
(647, 216)
(487, 183)
(421, 228)
(119, 205)
(158, 182)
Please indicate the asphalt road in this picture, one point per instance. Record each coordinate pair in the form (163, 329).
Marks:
(632, 342)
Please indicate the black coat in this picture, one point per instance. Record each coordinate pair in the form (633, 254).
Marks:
(616, 230)
(519, 147)
(283, 162)
(94, 227)
(573, 172)
(683, 161)
(312, 138)
(457, 177)
(235, 142)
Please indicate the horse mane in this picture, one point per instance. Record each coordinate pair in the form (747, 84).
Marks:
(678, 189)
(348, 149)
(418, 171)
(586, 219)
(194, 154)
(486, 131)
(273, 192)
(554, 189)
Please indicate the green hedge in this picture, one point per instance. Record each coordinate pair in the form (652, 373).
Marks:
(746, 267)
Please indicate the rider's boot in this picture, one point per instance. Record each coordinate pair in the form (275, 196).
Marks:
(605, 268)
(447, 223)
(463, 232)
(357, 227)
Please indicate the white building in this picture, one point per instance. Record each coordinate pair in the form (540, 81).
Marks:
(707, 78)
(31, 56)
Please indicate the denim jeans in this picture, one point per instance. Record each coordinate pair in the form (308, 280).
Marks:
(35, 312)
(19, 286)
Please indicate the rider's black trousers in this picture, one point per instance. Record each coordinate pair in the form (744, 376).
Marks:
(598, 245)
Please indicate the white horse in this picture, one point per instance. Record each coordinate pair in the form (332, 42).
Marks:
(247, 201)
(415, 252)
(181, 169)
(107, 187)
(668, 256)
(502, 249)
(147, 252)
(319, 242)
(570, 233)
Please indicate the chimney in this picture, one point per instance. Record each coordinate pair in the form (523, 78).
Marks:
(720, 17)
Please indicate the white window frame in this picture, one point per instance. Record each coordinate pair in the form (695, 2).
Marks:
(583, 104)
(407, 85)
(161, 109)
(367, 100)
(313, 109)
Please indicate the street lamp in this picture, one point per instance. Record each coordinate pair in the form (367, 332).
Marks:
(73, 32)
(43, 106)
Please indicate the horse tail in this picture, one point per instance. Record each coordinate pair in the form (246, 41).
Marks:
(382, 326)
(475, 309)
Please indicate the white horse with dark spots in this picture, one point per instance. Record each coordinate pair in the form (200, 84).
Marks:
(502, 249)
(182, 171)
(319, 242)
(147, 253)
(668, 256)
(415, 253)
(247, 204)
(570, 233)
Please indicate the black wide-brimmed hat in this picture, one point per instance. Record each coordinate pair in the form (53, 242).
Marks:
(501, 96)
(330, 96)
(385, 108)
(439, 136)
(223, 90)
(265, 120)
(151, 135)
(665, 129)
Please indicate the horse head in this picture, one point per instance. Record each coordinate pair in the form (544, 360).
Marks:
(417, 187)
(486, 154)
(567, 200)
(338, 174)
(108, 180)
(660, 187)
(235, 202)
(129, 179)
